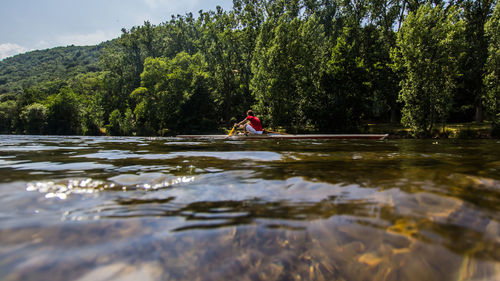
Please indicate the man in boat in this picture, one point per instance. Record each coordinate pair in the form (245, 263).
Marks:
(251, 124)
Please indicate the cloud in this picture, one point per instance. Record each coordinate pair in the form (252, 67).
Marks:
(10, 49)
(42, 44)
(168, 5)
(94, 38)
(155, 3)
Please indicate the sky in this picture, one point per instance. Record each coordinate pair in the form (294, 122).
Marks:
(27, 25)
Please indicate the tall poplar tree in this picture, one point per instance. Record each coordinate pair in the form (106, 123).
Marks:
(428, 48)
(470, 96)
(492, 79)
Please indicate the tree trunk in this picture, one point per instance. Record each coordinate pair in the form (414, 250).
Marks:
(479, 112)
(394, 114)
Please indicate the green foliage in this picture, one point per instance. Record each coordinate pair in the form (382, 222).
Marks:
(92, 121)
(273, 85)
(64, 113)
(315, 65)
(8, 116)
(115, 123)
(40, 92)
(381, 81)
(492, 78)
(34, 117)
(35, 67)
(428, 48)
(121, 125)
(470, 93)
(91, 89)
(169, 90)
(128, 123)
(341, 107)
(225, 48)
(287, 68)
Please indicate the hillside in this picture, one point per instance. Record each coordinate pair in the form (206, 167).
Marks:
(30, 68)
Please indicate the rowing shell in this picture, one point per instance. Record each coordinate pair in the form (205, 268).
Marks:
(290, 137)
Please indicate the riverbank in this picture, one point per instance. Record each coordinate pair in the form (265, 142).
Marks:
(470, 130)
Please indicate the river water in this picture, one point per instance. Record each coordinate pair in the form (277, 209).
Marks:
(131, 208)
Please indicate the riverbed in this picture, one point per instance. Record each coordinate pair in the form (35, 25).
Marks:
(138, 208)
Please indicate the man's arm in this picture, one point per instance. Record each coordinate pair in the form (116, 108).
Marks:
(241, 123)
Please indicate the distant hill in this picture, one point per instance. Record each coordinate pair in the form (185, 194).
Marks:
(30, 68)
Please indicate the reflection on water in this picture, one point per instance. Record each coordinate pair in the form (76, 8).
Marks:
(102, 208)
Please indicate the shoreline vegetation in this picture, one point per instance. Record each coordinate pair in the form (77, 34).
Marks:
(318, 66)
(470, 130)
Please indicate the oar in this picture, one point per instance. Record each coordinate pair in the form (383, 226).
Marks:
(230, 133)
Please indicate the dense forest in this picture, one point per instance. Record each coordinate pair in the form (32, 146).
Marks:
(301, 65)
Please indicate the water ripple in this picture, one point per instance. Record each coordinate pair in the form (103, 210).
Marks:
(55, 166)
(226, 155)
(332, 210)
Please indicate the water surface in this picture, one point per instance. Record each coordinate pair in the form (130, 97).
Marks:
(109, 208)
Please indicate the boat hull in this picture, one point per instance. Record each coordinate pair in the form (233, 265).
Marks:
(290, 137)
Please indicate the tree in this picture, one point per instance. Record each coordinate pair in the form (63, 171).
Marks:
(128, 123)
(324, 65)
(92, 118)
(121, 125)
(8, 116)
(197, 113)
(492, 78)
(340, 107)
(273, 83)
(354, 10)
(228, 41)
(470, 94)
(40, 92)
(427, 51)
(180, 34)
(91, 89)
(64, 113)
(115, 123)
(384, 81)
(144, 109)
(287, 65)
(168, 86)
(34, 117)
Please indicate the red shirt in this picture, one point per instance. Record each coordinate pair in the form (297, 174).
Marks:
(255, 123)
